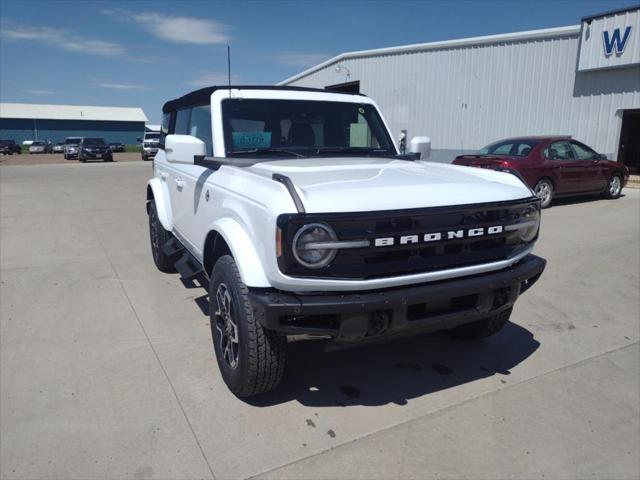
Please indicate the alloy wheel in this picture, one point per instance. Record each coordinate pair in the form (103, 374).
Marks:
(614, 186)
(543, 192)
(153, 228)
(226, 327)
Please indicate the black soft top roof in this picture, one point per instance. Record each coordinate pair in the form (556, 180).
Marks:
(201, 97)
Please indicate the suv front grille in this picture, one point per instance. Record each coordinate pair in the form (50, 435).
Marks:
(397, 259)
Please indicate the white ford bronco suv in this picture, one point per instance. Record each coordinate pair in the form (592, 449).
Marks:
(297, 206)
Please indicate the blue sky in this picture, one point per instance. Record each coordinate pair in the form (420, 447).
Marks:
(143, 53)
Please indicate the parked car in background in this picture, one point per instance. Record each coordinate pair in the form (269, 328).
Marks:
(116, 147)
(41, 146)
(150, 144)
(71, 147)
(94, 148)
(9, 147)
(553, 166)
(58, 148)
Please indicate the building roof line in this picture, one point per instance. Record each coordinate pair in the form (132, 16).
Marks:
(611, 12)
(463, 42)
(71, 112)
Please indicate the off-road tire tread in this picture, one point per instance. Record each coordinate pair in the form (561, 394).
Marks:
(163, 262)
(481, 328)
(267, 349)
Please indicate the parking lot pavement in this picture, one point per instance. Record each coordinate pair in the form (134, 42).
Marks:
(49, 158)
(107, 367)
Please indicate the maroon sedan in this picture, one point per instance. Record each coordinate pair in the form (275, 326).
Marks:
(553, 166)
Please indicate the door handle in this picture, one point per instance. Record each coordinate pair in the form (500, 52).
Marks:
(179, 183)
(164, 175)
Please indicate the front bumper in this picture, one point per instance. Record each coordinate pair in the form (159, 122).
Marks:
(149, 151)
(105, 154)
(427, 307)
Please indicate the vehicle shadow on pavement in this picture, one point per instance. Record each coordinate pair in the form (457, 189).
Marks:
(319, 374)
(395, 371)
(562, 201)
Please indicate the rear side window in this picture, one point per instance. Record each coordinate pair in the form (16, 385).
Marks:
(559, 151)
(519, 148)
(165, 126)
(182, 122)
(200, 125)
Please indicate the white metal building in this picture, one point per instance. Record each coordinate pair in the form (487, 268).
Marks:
(581, 80)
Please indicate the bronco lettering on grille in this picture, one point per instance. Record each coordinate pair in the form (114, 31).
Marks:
(437, 236)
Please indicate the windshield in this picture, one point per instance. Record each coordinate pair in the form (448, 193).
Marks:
(37, 144)
(303, 128)
(72, 141)
(517, 148)
(151, 136)
(93, 141)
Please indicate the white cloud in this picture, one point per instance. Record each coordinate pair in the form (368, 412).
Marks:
(208, 79)
(62, 39)
(121, 86)
(183, 29)
(37, 91)
(292, 59)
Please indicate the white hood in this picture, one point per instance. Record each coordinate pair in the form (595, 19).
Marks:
(369, 184)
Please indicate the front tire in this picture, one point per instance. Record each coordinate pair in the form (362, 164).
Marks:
(481, 328)
(251, 358)
(614, 187)
(544, 191)
(159, 237)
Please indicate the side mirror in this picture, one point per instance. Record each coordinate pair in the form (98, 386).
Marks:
(139, 139)
(601, 156)
(182, 148)
(421, 145)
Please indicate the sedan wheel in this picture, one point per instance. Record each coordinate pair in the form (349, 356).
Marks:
(614, 187)
(544, 191)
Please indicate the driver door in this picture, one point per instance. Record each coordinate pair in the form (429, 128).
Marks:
(567, 170)
(593, 175)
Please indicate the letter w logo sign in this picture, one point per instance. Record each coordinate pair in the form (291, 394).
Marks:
(615, 41)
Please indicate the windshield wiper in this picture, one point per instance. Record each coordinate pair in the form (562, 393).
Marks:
(267, 150)
(359, 150)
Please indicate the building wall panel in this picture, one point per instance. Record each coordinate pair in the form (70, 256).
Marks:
(57, 130)
(466, 97)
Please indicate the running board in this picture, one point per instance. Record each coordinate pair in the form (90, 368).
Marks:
(171, 247)
(187, 266)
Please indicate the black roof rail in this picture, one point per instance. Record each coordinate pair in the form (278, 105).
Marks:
(202, 96)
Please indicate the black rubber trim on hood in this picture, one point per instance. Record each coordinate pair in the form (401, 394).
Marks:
(515, 173)
(286, 181)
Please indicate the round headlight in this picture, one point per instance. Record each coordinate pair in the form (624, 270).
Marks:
(530, 216)
(308, 245)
